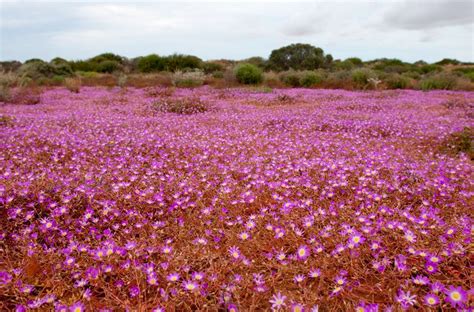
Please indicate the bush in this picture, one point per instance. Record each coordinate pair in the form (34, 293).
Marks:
(397, 81)
(180, 62)
(188, 79)
(73, 84)
(107, 57)
(151, 63)
(211, 67)
(361, 77)
(248, 74)
(108, 67)
(310, 79)
(182, 106)
(429, 68)
(439, 82)
(84, 66)
(448, 61)
(37, 69)
(25, 96)
(291, 78)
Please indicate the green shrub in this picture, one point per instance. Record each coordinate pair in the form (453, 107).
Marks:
(297, 56)
(291, 78)
(180, 62)
(108, 67)
(397, 81)
(211, 67)
(310, 79)
(448, 61)
(355, 61)
(442, 81)
(248, 74)
(37, 69)
(107, 57)
(429, 68)
(151, 63)
(361, 77)
(57, 80)
(218, 74)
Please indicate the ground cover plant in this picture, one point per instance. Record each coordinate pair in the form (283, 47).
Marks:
(315, 199)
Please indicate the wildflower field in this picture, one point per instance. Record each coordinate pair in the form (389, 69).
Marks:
(236, 200)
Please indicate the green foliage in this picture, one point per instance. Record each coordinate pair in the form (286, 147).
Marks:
(37, 69)
(248, 74)
(397, 81)
(441, 81)
(429, 68)
(34, 60)
(182, 62)
(107, 57)
(448, 61)
(298, 57)
(310, 79)
(343, 65)
(108, 66)
(361, 76)
(9, 66)
(151, 63)
(291, 78)
(84, 66)
(355, 61)
(211, 67)
(257, 61)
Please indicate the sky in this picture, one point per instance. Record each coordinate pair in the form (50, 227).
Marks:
(409, 30)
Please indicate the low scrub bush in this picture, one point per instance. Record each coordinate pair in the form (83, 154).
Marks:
(248, 74)
(291, 78)
(181, 106)
(397, 81)
(441, 81)
(361, 77)
(188, 79)
(310, 79)
(212, 67)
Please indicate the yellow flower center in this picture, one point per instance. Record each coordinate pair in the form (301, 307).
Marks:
(190, 287)
(301, 252)
(77, 309)
(431, 301)
(455, 295)
(356, 239)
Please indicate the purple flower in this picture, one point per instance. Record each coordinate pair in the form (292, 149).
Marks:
(456, 296)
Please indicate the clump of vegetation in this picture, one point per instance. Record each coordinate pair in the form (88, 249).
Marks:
(298, 57)
(181, 106)
(362, 77)
(248, 74)
(397, 81)
(460, 142)
(441, 81)
(291, 78)
(73, 84)
(190, 79)
(310, 79)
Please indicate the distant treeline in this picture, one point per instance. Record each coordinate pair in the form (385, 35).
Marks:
(296, 65)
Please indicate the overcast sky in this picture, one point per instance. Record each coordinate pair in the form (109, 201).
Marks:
(409, 30)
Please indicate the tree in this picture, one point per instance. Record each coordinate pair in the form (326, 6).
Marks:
(298, 56)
